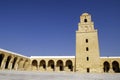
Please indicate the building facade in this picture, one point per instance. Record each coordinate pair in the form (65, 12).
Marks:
(86, 60)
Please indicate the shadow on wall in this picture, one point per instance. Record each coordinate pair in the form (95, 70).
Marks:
(12, 62)
(115, 66)
(52, 65)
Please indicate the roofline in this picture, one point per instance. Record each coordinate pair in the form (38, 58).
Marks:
(111, 57)
(52, 57)
(12, 53)
(48, 56)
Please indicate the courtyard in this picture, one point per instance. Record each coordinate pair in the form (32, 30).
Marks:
(28, 75)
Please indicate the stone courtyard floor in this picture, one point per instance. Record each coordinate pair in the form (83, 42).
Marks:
(25, 75)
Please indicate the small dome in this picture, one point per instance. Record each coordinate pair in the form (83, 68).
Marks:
(85, 14)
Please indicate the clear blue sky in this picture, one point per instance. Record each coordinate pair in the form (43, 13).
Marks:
(47, 27)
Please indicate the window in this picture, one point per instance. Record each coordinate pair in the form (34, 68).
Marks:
(88, 70)
(87, 49)
(85, 20)
(87, 58)
(86, 40)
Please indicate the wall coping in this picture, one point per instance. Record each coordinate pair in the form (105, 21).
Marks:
(111, 57)
(52, 57)
(3, 50)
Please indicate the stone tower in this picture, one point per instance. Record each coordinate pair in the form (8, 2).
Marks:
(87, 47)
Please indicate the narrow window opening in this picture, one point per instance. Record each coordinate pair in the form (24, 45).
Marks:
(88, 70)
(87, 49)
(87, 58)
(85, 20)
(86, 40)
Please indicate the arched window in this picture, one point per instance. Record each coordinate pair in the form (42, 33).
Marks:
(85, 20)
(106, 66)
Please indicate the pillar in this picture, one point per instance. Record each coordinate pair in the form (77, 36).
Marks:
(10, 64)
(3, 63)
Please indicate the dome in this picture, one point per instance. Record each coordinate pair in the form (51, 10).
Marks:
(85, 14)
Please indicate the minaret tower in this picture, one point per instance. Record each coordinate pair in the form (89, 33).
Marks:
(87, 47)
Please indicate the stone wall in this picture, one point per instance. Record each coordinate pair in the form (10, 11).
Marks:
(53, 64)
(13, 61)
(110, 64)
(87, 59)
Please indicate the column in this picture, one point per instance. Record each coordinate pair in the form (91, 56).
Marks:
(10, 64)
(3, 63)
(16, 64)
(111, 69)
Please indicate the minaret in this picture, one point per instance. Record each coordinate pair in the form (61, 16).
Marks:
(87, 47)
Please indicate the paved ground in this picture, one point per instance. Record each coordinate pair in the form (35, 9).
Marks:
(23, 75)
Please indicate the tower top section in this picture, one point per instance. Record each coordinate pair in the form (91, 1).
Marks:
(85, 18)
(85, 14)
(86, 24)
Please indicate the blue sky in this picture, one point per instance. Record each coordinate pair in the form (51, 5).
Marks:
(47, 27)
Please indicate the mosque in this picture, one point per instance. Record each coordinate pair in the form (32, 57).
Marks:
(86, 60)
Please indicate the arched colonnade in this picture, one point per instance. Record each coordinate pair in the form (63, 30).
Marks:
(52, 65)
(114, 66)
(13, 62)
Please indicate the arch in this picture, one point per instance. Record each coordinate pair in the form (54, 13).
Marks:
(1, 59)
(7, 62)
(26, 64)
(115, 66)
(34, 65)
(14, 62)
(20, 60)
(106, 67)
(51, 64)
(20, 64)
(69, 64)
(60, 65)
(43, 64)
